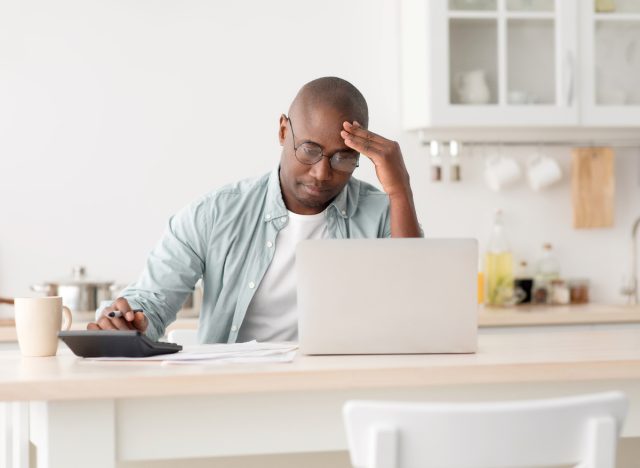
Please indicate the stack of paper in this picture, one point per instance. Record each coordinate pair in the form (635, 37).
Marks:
(250, 352)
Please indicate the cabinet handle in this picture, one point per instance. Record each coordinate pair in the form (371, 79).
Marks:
(569, 79)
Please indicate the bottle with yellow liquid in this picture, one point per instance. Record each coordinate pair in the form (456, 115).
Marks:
(498, 266)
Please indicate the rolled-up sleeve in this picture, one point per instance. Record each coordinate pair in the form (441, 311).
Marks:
(173, 267)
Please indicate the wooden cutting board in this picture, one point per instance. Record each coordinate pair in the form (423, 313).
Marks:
(593, 187)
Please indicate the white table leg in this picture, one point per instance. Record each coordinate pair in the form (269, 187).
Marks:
(14, 435)
(74, 433)
(5, 435)
(20, 423)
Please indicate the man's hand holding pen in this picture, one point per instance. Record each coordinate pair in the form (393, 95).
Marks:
(120, 316)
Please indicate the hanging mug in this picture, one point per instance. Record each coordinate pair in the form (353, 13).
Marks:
(500, 172)
(542, 172)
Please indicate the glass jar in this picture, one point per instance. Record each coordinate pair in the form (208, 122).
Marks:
(560, 292)
(540, 294)
(579, 291)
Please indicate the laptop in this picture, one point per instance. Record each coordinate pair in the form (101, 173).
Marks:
(387, 296)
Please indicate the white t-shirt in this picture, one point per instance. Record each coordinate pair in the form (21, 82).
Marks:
(272, 313)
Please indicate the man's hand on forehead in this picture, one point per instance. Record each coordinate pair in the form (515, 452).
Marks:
(362, 140)
(385, 155)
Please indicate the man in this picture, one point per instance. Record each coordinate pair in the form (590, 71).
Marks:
(241, 238)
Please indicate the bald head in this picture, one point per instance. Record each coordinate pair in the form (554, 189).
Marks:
(332, 92)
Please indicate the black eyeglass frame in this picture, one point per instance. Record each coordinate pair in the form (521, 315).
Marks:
(322, 155)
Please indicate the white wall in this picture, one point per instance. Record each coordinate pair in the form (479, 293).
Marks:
(114, 114)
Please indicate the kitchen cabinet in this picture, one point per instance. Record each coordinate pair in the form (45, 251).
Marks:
(610, 64)
(519, 63)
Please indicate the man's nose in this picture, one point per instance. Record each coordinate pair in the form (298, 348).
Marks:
(321, 170)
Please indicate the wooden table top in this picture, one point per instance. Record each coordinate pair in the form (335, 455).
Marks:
(562, 356)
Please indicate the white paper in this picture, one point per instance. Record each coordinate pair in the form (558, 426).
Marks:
(250, 352)
(273, 358)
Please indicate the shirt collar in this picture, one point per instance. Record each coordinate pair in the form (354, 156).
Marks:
(345, 203)
(275, 207)
(347, 200)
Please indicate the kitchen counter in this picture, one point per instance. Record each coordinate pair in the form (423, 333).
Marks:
(8, 330)
(488, 317)
(538, 315)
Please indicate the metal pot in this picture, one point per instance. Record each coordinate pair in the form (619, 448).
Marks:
(78, 293)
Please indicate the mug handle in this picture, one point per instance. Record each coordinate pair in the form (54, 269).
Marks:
(534, 160)
(491, 161)
(66, 312)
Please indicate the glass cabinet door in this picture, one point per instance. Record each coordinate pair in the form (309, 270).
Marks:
(489, 63)
(473, 61)
(531, 62)
(612, 62)
(473, 5)
(511, 62)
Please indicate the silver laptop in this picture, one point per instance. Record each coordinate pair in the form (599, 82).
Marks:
(387, 296)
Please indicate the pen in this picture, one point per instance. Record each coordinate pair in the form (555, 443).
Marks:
(117, 313)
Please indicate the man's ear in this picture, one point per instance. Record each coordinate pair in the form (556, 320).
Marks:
(282, 130)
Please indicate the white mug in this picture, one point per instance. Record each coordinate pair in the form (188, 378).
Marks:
(543, 171)
(472, 87)
(517, 97)
(38, 321)
(500, 172)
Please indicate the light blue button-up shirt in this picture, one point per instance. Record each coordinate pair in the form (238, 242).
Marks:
(223, 238)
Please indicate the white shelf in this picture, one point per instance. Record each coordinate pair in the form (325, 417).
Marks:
(480, 15)
(616, 16)
(510, 15)
(537, 15)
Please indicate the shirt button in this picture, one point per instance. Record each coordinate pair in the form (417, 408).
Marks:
(344, 213)
(268, 216)
(269, 244)
(234, 328)
(252, 285)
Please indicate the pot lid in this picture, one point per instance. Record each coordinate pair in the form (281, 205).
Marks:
(79, 278)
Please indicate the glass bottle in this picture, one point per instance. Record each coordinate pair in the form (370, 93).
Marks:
(523, 283)
(454, 167)
(547, 270)
(436, 161)
(498, 265)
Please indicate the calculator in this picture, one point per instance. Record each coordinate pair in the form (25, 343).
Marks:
(115, 343)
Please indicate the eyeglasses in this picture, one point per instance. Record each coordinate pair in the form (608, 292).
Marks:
(310, 153)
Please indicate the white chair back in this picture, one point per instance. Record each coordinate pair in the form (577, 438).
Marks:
(184, 337)
(578, 430)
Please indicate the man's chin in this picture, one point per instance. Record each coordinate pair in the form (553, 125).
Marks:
(314, 200)
(314, 203)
